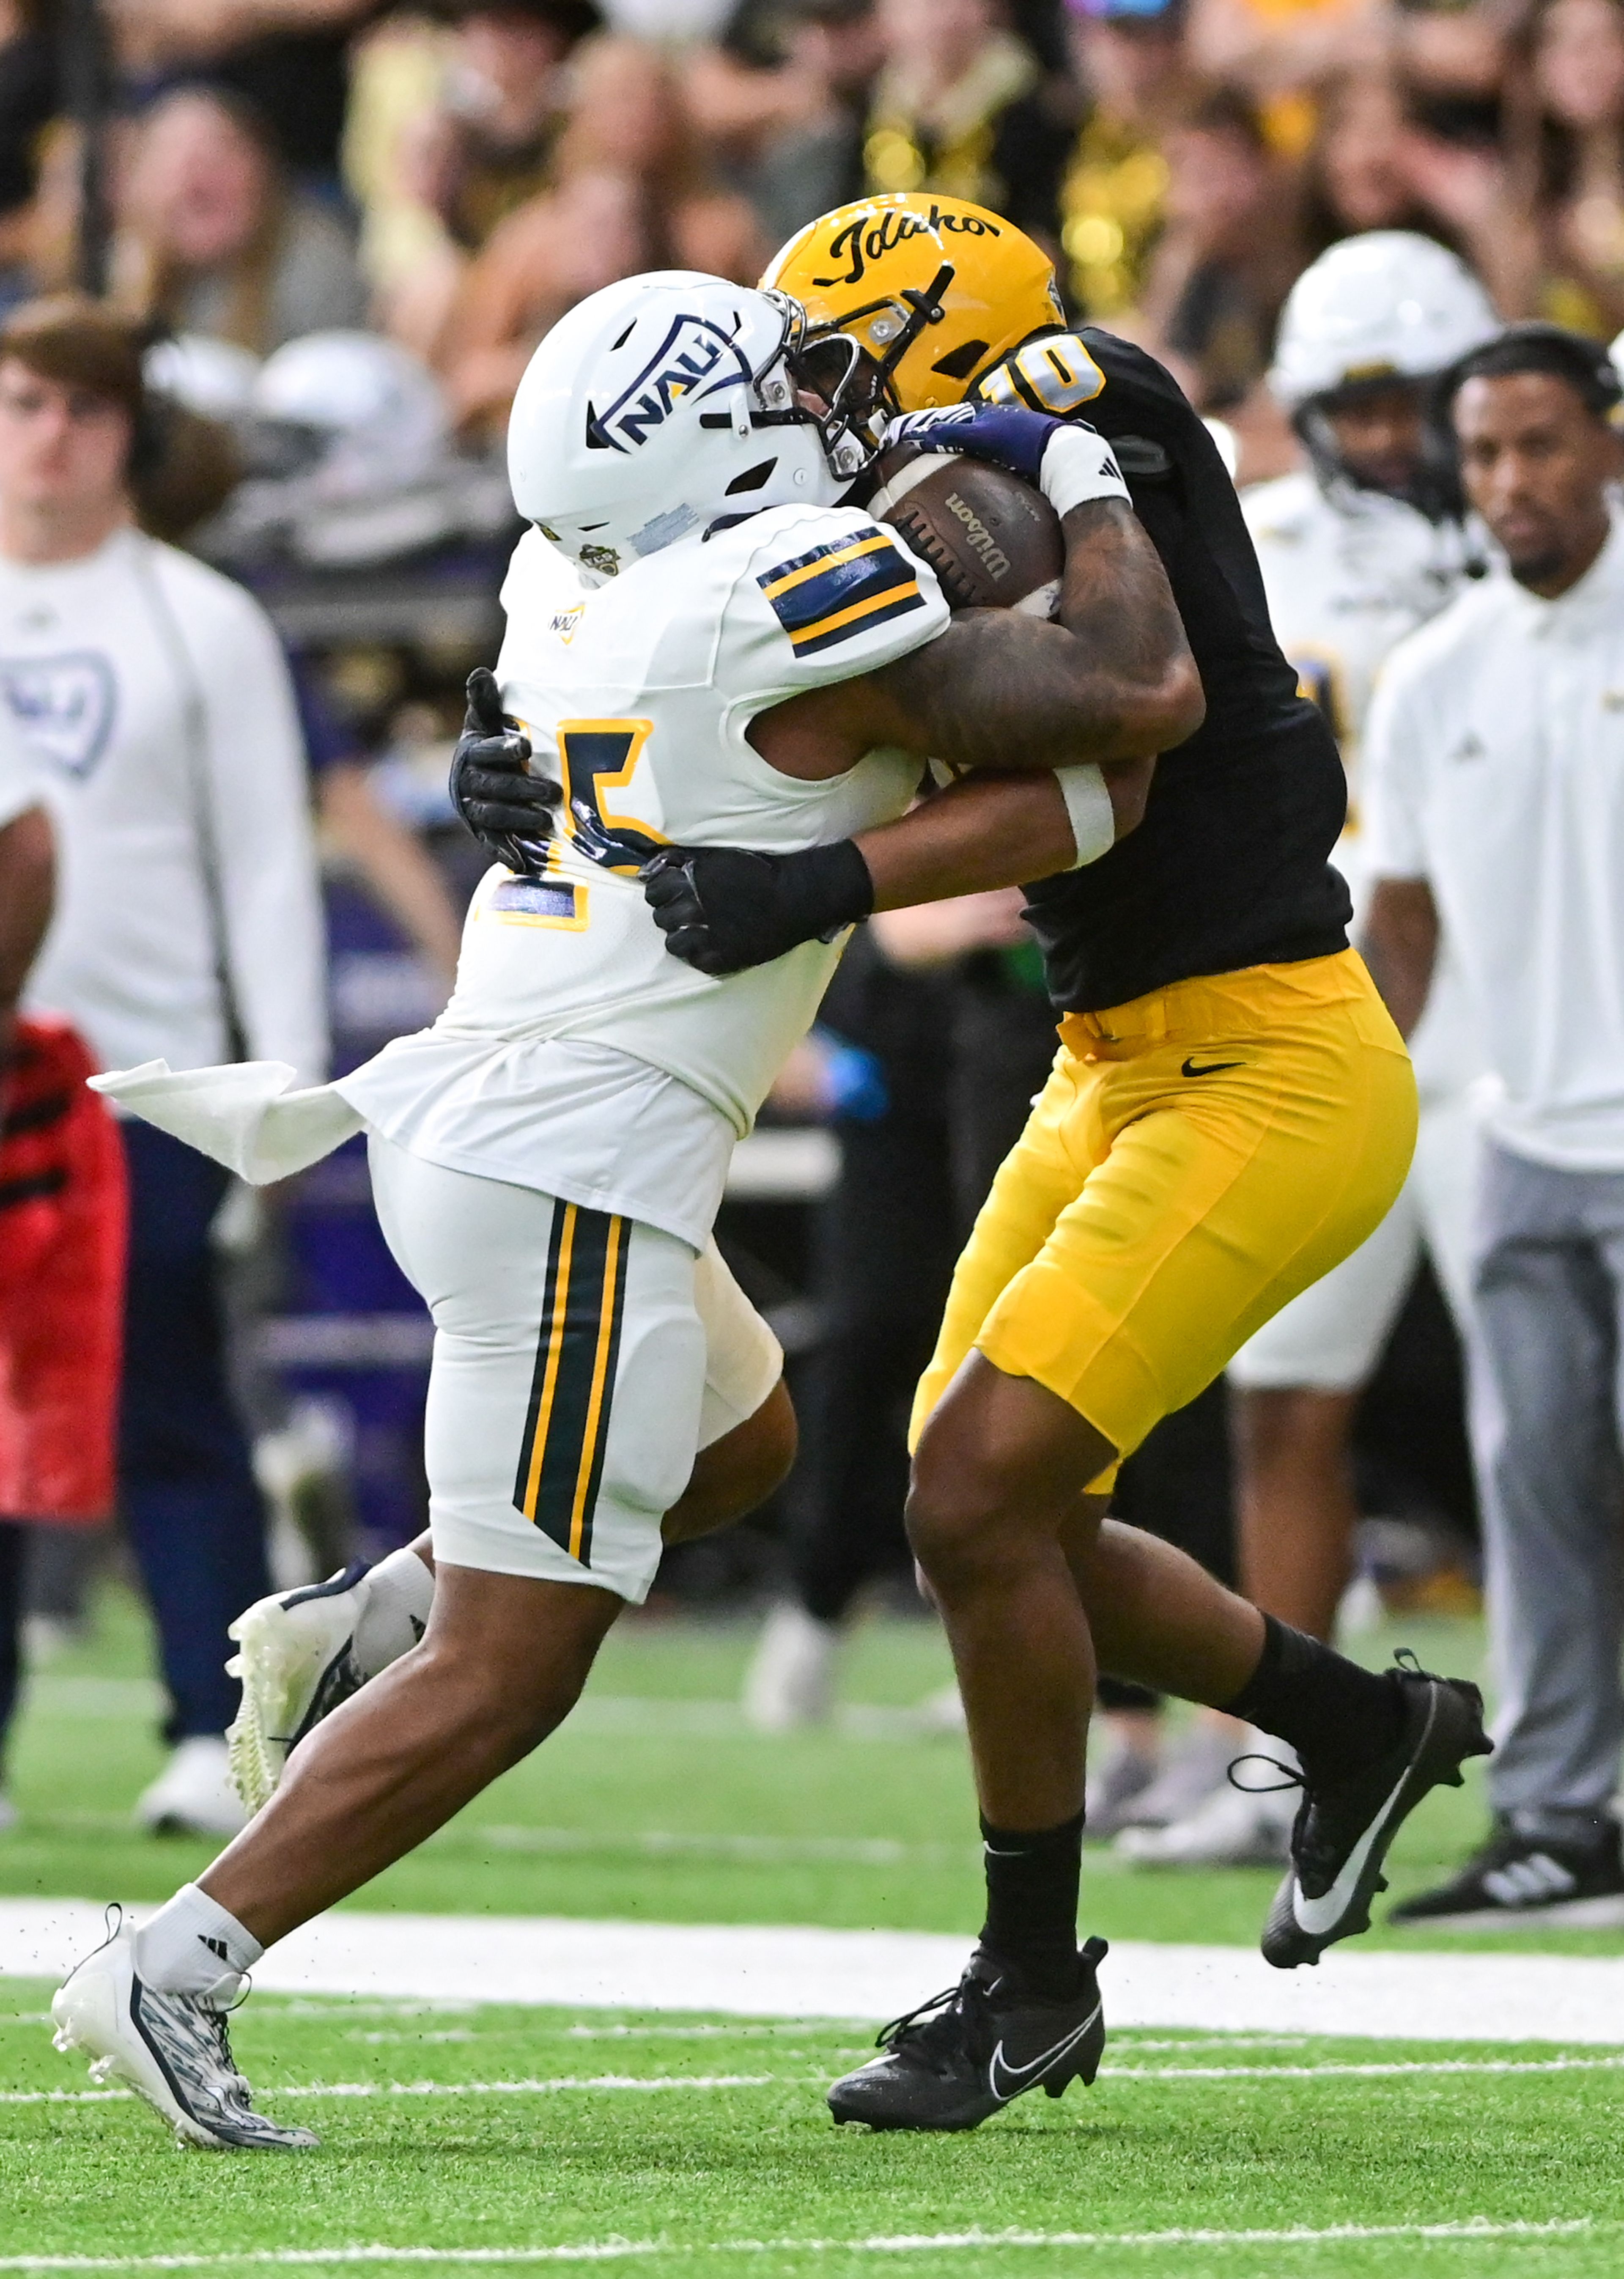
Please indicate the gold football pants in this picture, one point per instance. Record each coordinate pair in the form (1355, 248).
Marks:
(1196, 1158)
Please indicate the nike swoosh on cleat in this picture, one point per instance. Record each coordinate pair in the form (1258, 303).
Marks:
(1317, 1916)
(1026, 2077)
(1210, 1068)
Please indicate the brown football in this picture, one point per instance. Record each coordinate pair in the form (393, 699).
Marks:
(993, 540)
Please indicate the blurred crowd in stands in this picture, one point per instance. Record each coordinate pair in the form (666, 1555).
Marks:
(456, 176)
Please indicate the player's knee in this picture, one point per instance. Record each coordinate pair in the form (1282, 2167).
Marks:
(959, 1520)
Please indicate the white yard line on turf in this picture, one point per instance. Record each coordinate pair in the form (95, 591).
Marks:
(750, 1970)
(583, 2082)
(610, 2080)
(611, 2251)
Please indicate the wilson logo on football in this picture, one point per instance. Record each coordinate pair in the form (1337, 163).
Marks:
(694, 357)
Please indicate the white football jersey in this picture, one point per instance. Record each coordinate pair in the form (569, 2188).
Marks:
(577, 1054)
(1347, 577)
(639, 692)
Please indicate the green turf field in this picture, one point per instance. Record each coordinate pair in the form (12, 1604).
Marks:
(681, 2145)
(702, 2137)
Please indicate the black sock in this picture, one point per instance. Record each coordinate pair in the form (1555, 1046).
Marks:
(1338, 1717)
(1032, 1875)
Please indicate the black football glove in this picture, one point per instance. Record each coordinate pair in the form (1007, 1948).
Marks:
(506, 810)
(724, 907)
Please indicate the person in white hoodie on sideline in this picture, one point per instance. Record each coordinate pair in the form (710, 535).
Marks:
(155, 701)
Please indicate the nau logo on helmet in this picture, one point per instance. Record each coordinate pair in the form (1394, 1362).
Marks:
(695, 357)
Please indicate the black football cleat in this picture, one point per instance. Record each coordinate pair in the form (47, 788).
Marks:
(966, 2053)
(1342, 1832)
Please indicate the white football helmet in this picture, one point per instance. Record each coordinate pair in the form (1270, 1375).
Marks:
(379, 409)
(213, 378)
(1387, 305)
(657, 406)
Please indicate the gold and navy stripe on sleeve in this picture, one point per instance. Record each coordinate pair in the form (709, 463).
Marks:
(842, 588)
(566, 1430)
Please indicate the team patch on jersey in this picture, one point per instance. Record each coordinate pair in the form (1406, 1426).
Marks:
(537, 902)
(65, 705)
(845, 587)
(566, 1429)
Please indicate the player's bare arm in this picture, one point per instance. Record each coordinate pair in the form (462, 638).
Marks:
(1111, 680)
(1091, 698)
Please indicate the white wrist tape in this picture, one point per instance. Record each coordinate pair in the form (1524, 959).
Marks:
(1093, 818)
(1079, 466)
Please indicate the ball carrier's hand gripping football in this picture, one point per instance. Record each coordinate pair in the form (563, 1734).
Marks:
(1070, 462)
(506, 808)
(724, 908)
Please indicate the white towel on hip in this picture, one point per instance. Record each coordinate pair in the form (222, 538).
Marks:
(242, 1115)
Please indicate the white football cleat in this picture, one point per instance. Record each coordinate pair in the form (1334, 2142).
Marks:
(1197, 1763)
(173, 2050)
(790, 1682)
(296, 1664)
(1231, 1827)
(193, 1795)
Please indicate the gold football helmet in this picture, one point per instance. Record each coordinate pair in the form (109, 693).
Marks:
(908, 298)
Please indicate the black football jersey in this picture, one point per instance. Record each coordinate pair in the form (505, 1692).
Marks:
(1229, 867)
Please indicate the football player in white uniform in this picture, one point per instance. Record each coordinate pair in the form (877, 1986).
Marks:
(1356, 552)
(733, 657)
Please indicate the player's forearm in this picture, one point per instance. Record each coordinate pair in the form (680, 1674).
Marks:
(1401, 946)
(1117, 605)
(1112, 680)
(991, 832)
(987, 831)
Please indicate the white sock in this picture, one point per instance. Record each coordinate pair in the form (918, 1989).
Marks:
(193, 1946)
(395, 1602)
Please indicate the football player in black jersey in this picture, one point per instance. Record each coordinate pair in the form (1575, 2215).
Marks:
(1230, 1112)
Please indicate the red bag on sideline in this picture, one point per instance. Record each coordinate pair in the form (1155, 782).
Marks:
(63, 1207)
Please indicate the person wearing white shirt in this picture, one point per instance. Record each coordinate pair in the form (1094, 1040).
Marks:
(1357, 550)
(156, 703)
(1495, 763)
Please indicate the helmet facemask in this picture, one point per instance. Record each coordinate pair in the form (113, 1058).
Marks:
(841, 371)
(1433, 489)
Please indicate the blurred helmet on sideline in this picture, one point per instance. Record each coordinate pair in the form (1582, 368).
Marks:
(378, 410)
(214, 379)
(1387, 305)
